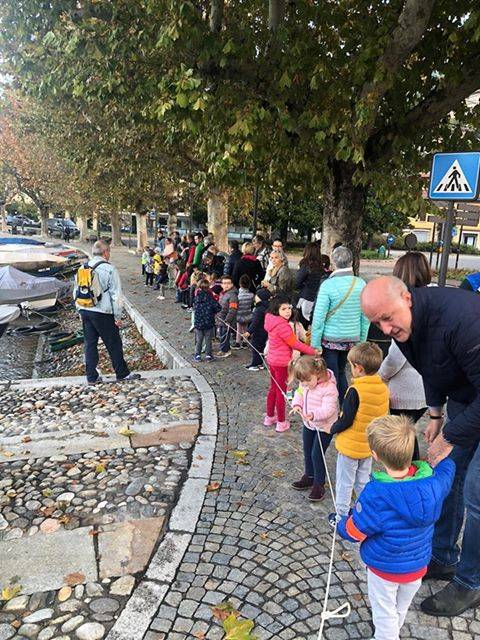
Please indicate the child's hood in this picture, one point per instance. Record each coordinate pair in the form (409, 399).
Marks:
(416, 499)
(274, 322)
(204, 296)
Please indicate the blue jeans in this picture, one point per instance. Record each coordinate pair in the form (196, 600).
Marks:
(464, 495)
(224, 338)
(314, 466)
(337, 361)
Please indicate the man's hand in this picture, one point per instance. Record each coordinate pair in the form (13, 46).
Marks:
(438, 450)
(432, 430)
(118, 323)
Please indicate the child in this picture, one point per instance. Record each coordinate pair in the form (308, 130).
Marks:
(244, 313)
(195, 277)
(282, 341)
(149, 269)
(215, 285)
(183, 283)
(394, 520)
(298, 330)
(145, 257)
(160, 272)
(227, 317)
(256, 331)
(316, 400)
(366, 399)
(205, 308)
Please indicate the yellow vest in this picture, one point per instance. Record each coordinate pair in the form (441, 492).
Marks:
(373, 397)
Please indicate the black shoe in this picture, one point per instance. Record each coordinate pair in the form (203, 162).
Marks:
(303, 484)
(451, 601)
(131, 376)
(437, 571)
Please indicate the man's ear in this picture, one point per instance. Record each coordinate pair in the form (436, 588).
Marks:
(406, 295)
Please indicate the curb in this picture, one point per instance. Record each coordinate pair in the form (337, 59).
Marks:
(143, 604)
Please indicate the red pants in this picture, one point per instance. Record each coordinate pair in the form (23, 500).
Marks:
(275, 397)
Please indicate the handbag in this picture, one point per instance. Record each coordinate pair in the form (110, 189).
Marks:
(342, 302)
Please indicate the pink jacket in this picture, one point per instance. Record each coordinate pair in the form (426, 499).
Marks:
(321, 401)
(282, 341)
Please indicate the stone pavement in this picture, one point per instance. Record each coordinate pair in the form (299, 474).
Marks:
(258, 543)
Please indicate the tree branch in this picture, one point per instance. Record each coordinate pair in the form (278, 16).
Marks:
(216, 15)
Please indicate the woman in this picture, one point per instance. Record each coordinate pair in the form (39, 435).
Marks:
(171, 256)
(405, 384)
(338, 322)
(280, 278)
(310, 274)
(249, 265)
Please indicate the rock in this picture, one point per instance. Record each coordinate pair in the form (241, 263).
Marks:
(29, 630)
(70, 606)
(72, 624)
(123, 586)
(66, 497)
(50, 525)
(64, 594)
(17, 604)
(39, 616)
(33, 505)
(3, 523)
(90, 631)
(94, 589)
(46, 634)
(6, 632)
(79, 591)
(74, 471)
(135, 487)
(104, 605)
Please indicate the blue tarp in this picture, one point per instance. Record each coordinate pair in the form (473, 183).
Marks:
(19, 241)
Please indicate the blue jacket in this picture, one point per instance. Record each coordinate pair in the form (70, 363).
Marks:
(347, 324)
(444, 348)
(205, 308)
(394, 519)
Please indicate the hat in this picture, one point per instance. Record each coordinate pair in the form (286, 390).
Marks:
(263, 294)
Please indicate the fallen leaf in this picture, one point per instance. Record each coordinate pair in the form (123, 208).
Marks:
(278, 474)
(200, 635)
(72, 579)
(264, 536)
(239, 454)
(200, 457)
(16, 624)
(26, 439)
(11, 591)
(7, 454)
(11, 493)
(93, 532)
(357, 596)
(65, 519)
(48, 511)
(125, 431)
(213, 486)
(99, 468)
(223, 610)
(46, 493)
(173, 411)
(346, 556)
(237, 629)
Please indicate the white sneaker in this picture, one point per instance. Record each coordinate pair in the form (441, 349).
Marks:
(160, 297)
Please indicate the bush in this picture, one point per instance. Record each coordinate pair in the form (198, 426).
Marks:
(455, 274)
(371, 254)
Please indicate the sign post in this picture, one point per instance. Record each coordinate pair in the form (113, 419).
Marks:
(454, 177)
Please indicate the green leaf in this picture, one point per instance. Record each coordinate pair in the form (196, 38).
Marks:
(182, 100)
(285, 81)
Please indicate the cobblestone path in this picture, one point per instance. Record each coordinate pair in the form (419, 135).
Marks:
(258, 543)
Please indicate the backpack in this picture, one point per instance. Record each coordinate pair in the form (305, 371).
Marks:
(89, 291)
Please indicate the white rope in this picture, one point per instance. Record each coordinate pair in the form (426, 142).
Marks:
(343, 610)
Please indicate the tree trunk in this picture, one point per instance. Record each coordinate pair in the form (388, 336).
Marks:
(217, 208)
(142, 236)
(44, 221)
(82, 227)
(3, 218)
(344, 206)
(68, 215)
(172, 216)
(116, 234)
(95, 223)
(216, 15)
(276, 14)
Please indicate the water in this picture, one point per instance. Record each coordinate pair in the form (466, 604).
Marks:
(17, 355)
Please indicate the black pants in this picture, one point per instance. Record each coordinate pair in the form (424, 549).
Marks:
(102, 325)
(414, 415)
(259, 344)
(149, 278)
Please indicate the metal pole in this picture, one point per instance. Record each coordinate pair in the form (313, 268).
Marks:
(447, 241)
(433, 243)
(458, 246)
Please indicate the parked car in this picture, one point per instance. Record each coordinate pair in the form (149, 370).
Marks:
(13, 220)
(56, 227)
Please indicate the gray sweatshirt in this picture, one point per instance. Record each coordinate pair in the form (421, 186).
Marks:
(405, 384)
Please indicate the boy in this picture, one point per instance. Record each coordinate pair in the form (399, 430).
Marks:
(205, 308)
(394, 520)
(365, 400)
(227, 317)
(256, 331)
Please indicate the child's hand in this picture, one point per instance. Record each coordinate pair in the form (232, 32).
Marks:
(297, 410)
(308, 416)
(246, 334)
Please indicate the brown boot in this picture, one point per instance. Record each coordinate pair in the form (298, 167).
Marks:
(303, 484)
(317, 493)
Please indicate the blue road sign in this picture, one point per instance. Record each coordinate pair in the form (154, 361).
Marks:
(454, 231)
(390, 239)
(455, 176)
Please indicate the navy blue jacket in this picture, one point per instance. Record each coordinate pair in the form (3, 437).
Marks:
(205, 308)
(394, 519)
(445, 349)
(256, 328)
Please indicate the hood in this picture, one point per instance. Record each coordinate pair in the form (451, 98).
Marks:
(249, 257)
(417, 499)
(203, 295)
(272, 321)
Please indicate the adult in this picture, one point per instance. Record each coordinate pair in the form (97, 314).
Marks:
(170, 254)
(176, 238)
(277, 246)
(234, 255)
(438, 331)
(249, 265)
(310, 274)
(192, 247)
(160, 244)
(103, 320)
(338, 322)
(405, 384)
(218, 261)
(280, 278)
(262, 252)
(199, 247)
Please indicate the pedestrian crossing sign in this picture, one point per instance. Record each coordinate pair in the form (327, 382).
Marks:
(455, 176)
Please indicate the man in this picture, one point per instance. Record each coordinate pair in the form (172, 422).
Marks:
(261, 250)
(103, 319)
(199, 247)
(438, 331)
(160, 241)
(234, 255)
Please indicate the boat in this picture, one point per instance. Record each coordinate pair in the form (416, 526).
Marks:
(28, 257)
(17, 287)
(8, 313)
(14, 240)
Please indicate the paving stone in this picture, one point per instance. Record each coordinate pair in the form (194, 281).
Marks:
(6, 632)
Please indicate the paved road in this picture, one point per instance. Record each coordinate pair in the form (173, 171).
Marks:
(258, 543)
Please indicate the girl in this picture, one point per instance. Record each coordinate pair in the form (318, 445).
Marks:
(244, 311)
(149, 269)
(281, 342)
(316, 400)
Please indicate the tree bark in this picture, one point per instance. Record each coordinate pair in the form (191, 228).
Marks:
(217, 207)
(276, 14)
(116, 234)
(344, 206)
(3, 218)
(95, 223)
(216, 15)
(142, 236)
(82, 227)
(172, 206)
(44, 214)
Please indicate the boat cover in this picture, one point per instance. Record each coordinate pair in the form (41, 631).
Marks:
(12, 279)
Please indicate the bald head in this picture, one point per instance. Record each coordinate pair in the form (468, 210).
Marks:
(387, 302)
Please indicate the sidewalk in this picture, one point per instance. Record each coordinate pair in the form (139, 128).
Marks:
(258, 543)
